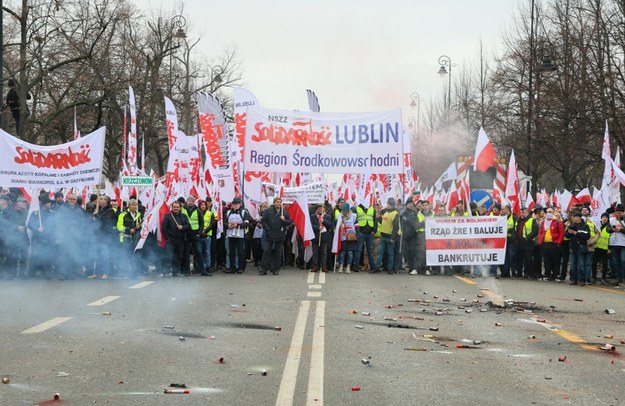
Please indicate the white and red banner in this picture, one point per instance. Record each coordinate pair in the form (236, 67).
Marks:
(298, 141)
(74, 164)
(465, 240)
(132, 138)
(314, 192)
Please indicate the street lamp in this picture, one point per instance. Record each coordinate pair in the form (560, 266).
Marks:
(178, 22)
(445, 62)
(415, 101)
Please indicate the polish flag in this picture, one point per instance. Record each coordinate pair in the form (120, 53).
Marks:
(512, 186)
(464, 193)
(298, 211)
(336, 242)
(529, 202)
(485, 155)
(584, 196)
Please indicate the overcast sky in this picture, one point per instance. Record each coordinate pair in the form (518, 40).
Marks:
(357, 55)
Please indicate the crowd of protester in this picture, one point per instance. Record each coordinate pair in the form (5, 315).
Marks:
(67, 238)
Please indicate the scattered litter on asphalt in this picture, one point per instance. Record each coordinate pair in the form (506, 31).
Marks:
(221, 360)
(106, 313)
(562, 358)
(466, 346)
(579, 300)
(355, 388)
(532, 337)
(359, 326)
(608, 347)
(263, 373)
(415, 349)
(6, 379)
(62, 374)
(498, 324)
(168, 327)
(181, 338)
(366, 314)
(454, 291)
(353, 312)
(609, 311)
(433, 328)
(608, 336)
(176, 391)
(178, 385)
(390, 318)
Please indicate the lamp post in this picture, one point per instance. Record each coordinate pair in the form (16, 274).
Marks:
(178, 22)
(445, 62)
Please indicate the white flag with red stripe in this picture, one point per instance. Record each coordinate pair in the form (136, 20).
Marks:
(485, 155)
(512, 186)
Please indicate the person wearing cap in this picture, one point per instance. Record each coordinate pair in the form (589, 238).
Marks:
(367, 226)
(346, 232)
(275, 221)
(579, 233)
(527, 231)
(594, 233)
(601, 249)
(509, 266)
(69, 217)
(321, 223)
(236, 222)
(411, 220)
(617, 243)
(175, 226)
(58, 201)
(196, 221)
(129, 224)
(206, 233)
(550, 237)
(8, 225)
(389, 236)
(43, 251)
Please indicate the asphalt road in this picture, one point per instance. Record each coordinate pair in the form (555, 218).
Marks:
(302, 339)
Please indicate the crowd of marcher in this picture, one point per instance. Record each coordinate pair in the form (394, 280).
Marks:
(67, 238)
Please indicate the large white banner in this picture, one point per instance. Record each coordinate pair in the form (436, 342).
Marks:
(298, 141)
(73, 164)
(465, 240)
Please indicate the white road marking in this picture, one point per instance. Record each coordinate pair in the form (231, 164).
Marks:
(103, 301)
(141, 285)
(291, 366)
(46, 325)
(322, 277)
(315, 378)
(314, 294)
(311, 278)
(314, 286)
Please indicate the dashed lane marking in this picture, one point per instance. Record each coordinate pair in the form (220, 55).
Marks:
(46, 325)
(314, 286)
(289, 375)
(141, 285)
(618, 292)
(466, 280)
(311, 278)
(315, 377)
(314, 294)
(103, 301)
(322, 278)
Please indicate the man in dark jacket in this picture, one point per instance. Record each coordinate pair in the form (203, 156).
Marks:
(275, 221)
(176, 227)
(410, 221)
(367, 227)
(108, 236)
(509, 267)
(8, 225)
(43, 249)
(69, 217)
(196, 223)
(322, 225)
(581, 259)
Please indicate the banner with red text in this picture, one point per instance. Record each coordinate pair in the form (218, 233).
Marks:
(298, 141)
(465, 240)
(73, 164)
(314, 192)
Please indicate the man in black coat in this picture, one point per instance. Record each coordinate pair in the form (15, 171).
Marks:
(322, 226)
(275, 220)
(176, 228)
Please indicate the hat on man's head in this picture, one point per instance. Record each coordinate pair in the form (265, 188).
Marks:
(619, 207)
(577, 214)
(58, 194)
(391, 201)
(496, 206)
(275, 199)
(21, 200)
(44, 199)
(236, 200)
(191, 197)
(345, 207)
(5, 197)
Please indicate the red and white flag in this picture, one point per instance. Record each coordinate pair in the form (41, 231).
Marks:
(76, 132)
(132, 138)
(529, 202)
(298, 211)
(584, 196)
(512, 186)
(485, 155)
(606, 155)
